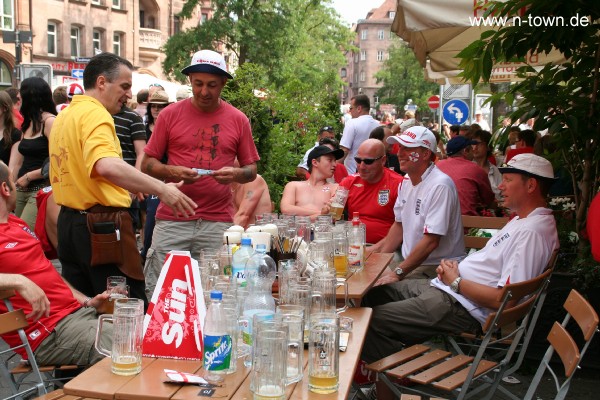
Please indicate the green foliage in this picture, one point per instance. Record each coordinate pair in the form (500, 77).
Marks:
(563, 98)
(402, 78)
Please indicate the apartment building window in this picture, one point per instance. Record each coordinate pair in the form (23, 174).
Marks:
(203, 18)
(116, 4)
(75, 41)
(356, 58)
(5, 76)
(52, 47)
(97, 2)
(96, 41)
(343, 73)
(355, 78)
(363, 55)
(380, 55)
(8, 15)
(381, 34)
(117, 39)
(392, 14)
(363, 76)
(176, 24)
(363, 34)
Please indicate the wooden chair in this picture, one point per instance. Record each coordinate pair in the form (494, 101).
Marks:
(14, 321)
(454, 375)
(563, 344)
(470, 221)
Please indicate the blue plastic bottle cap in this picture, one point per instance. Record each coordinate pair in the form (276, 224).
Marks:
(261, 247)
(246, 241)
(216, 295)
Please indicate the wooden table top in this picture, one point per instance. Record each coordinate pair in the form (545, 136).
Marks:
(359, 283)
(98, 382)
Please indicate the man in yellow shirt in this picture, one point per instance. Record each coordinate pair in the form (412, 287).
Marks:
(89, 176)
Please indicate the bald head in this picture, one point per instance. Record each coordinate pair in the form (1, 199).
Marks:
(371, 154)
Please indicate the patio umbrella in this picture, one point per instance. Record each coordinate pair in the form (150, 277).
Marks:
(437, 30)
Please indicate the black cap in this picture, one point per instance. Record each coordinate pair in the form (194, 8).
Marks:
(324, 150)
(457, 143)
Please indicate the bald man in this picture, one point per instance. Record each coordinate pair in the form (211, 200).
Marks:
(373, 191)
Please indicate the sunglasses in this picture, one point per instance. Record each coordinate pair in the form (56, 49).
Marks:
(327, 128)
(367, 161)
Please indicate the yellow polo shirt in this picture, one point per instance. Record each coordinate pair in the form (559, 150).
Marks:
(83, 133)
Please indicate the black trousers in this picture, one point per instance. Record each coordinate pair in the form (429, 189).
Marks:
(75, 254)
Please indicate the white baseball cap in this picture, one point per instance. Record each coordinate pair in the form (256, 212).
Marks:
(529, 164)
(73, 89)
(416, 136)
(207, 61)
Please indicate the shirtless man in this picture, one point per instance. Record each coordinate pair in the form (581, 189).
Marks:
(249, 200)
(311, 197)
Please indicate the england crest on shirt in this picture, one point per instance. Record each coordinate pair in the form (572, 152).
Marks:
(383, 197)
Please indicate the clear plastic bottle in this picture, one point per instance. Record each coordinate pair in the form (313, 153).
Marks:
(260, 275)
(356, 245)
(218, 343)
(239, 259)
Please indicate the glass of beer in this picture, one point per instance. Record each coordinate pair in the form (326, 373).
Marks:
(338, 202)
(117, 288)
(324, 353)
(340, 255)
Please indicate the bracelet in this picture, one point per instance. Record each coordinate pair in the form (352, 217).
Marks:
(86, 302)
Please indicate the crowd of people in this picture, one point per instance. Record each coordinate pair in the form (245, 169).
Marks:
(192, 166)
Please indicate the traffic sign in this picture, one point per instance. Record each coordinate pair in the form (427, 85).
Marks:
(434, 102)
(77, 73)
(456, 112)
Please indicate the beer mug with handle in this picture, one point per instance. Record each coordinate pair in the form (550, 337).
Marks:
(326, 283)
(126, 352)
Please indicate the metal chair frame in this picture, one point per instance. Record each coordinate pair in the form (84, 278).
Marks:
(563, 344)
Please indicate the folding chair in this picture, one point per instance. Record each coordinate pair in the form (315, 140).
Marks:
(563, 344)
(14, 321)
(454, 375)
(471, 221)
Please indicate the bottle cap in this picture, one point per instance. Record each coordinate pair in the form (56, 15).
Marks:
(261, 247)
(246, 241)
(216, 295)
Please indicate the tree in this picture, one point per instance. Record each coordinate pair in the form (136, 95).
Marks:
(563, 98)
(403, 79)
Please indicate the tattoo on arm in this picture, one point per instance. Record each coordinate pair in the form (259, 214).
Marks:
(249, 194)
(150, 166)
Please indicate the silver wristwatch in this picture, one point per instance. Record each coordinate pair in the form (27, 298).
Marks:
(399, 271)
(454, 284)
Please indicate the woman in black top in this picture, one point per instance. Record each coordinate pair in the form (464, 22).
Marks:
(39, 112)
(9, 134)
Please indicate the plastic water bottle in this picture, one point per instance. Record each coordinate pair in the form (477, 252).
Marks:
(239, 259)
(260, 275)
(218, 343)
(356, 245)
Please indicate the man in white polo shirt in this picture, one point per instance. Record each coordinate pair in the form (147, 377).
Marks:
(463, 294)
(357, 130)
(428, 222)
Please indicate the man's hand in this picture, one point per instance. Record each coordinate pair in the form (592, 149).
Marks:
(447, 271)
(34, 295)
(179, 202)
(178, 173)
(388, 276)
(225, 175)
(99, 302)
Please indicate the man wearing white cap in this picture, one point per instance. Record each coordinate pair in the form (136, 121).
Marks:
(463, 294)
(201, 137)
(427, 211)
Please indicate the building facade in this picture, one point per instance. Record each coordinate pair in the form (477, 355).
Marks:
(372, 40)
(64, 33)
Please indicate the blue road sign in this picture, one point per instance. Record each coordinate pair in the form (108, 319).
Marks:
(77, 73)
(456, 112)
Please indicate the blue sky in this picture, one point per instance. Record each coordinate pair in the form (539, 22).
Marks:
(353, 10)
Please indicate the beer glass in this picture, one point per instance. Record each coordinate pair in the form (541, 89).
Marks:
(117, 288)
(126, 353)
(338, 202)
(268, 375)
(340, 255)
(326, 285)
(324, 353)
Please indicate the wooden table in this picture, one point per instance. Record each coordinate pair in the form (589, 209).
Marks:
(98, 382)
(359, 283)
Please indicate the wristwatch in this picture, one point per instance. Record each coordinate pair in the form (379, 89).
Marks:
(454, 285)
(399, 271)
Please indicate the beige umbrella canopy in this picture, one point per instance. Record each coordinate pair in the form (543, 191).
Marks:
(437, 30)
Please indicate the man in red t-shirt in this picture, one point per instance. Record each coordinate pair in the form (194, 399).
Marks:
(62, 320)
(524, 144)
(372, 192)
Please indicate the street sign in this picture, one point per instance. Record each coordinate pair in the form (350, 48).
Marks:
(434, 102)
(77, 73)
(456, 112)
(83, 60)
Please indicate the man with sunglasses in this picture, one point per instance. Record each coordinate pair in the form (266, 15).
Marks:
(302, 168)
(357, 130)
(427, 211)
(373, 191)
